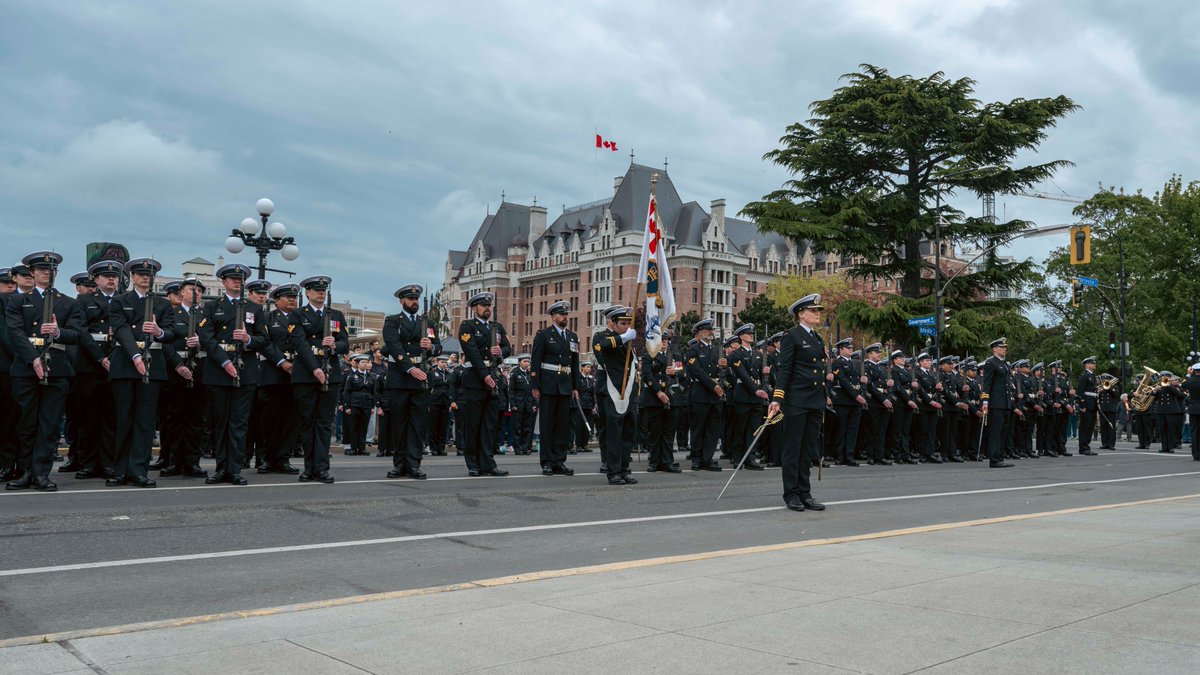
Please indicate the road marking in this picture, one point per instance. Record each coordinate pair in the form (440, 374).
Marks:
(557, 574)
(51, 569)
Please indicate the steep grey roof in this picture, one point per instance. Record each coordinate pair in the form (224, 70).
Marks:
(741, 232)
(197, 261)
(457, 258)
(689, 227)
(510, 221)
(632, 200)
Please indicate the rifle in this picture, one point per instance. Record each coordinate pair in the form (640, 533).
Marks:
(191, 357)
(239, 323)
(424, 334)
(326, 362)
(147, 317)
(47, 317)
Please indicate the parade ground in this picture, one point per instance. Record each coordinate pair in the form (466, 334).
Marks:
(1077, 564)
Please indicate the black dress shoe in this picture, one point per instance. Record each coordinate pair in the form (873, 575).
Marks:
(287, 468)
(752, 465)
(418, 474)
(1089, 453)
(44, 485)
(69, 467)
(956, 459)
(265, 468)
(497, 472)
(629, 479)
(194, 471)
(168, 471)
(472, 473)
(236, 479)
(324, 477)
(712, 466)
(156, 465)
(547, 470)
(671, 468)
(999, 465)
(398, 472)
(812, 504)
(1064, 453)
(652, 469)
(934, 459)
(215, 478)
(141, 481)
(564, 470)
(794, 503)
(848, 462)
(697, 466)
(6, 474)
(114, 481)
(616, 479)
(24, 481)
(305, 477)
(84, 474)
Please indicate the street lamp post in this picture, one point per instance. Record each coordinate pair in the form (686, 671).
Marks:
(271, 237)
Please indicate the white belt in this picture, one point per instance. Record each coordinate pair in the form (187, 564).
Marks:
(1090, 393)
(556, 369)
(153, 345)
(39, 342)
(184, 355)
(318, 351)
(415, 359)
(100, 337)
(228, 347)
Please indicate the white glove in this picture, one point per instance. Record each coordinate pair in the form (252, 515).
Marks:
(628, 335)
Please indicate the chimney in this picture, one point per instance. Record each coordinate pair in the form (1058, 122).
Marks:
(718, 210)
(617, 183)
(537, 222)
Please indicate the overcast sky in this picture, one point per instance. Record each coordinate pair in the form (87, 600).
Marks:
(383, 131)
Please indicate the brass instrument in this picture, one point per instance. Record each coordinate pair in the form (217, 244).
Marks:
(1144, 395)
(147, 317)
(1109, 383)
(47, 317)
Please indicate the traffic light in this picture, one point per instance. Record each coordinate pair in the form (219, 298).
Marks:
(1081, 245)
(1076, 293)
(945, 320)
(1112, 344)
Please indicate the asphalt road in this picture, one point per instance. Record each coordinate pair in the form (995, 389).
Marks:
(89, 556)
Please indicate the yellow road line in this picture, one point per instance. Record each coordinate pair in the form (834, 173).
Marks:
(556, 574)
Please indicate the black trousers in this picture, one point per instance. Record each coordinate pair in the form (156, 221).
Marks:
(355, 431)
(899, 431)
(97, 423)
(1176, 429)
(280, 421)
(554, 428)
(578, 429)
(801, 446)
(439, 415)
(849, 419)
(477, 414)
(1062, 430)
(683, 429)
(926, 434)
(775, 444)
(1194, 420)
(1108, 429)
(181, 432)
(38, 427)
(972, 431)
(10, 420)
(745, 420)
(997, 425)
(706, 419)
(522, 430)
(1166, 431)
(316, 424)
(256, 433)
(875, 426)
(618, 435)
(409, 413)
(136, 406)
(1087, 428)
(659, 432)
(949, 433)
(229, 413)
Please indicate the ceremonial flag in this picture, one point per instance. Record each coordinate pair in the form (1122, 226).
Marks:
(653, 271)
(607, 145)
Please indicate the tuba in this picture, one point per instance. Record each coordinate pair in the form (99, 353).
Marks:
(1144, 395)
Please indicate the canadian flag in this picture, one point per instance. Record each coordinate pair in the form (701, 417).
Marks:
(608, 145)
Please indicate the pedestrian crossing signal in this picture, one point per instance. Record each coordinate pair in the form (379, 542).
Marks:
(1081, 245)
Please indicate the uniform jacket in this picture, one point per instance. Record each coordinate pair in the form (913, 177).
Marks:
(402, 343)
(1089, 396)
(177, 351)
(654, 379)
(439, 385)
(800, 371)
(927, 393)
(306, 345)
(551, 353)
(216, 339)
(845, 381)
(1191, 386)
(877, 390)
(477, 338)
(358, 391)
(994, 381)
(746, 367)
(23, 318)
(97, 340)
(280, 327)
(125, 314)
(700, 362)
(520, 390)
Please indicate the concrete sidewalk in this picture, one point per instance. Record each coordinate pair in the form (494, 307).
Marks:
(1111, 590)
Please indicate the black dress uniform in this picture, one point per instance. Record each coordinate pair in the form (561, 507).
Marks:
(701, 363)
(136, 401)
(1168, 401)
(899, 433)
(479, 404)
(439, 407)
(617, 423)
(41, 405)
(585, 418)
(408, 396)
(800, 392)
(995, 395)
(98, 419)
(1110, 403)
(358, 403)
(1191, 386)
(1089, 403)
(280, 412)
(555, 373)
(10, 414)
(879, 414)
(230, 399)
(183, 427)
(656, 414)
(846, 393)
(524, 410)
(745, 366)
(929, 407)
(317, 403)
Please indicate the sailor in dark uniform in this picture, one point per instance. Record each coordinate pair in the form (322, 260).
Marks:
(410, 340)
(746, 368)
(439, 406)
(800, 395)
(952, 409)
(654, 408)
(848, 401)
(929, 399)
(899, 432)
(84, 287)
(612, 348)
(40, 388)
(257, 292)
(183, 395)
(136, 382)
(98, 420)
(996, 400)
(317, 378)
(555, 373)
(1089, 401)
(524, 408)
(585, 419)
(484, 346)
(1167, 399)
(1110, 403)
(1191, 386)
(280, 412)
(358, 401)
(705, 395)
(880, 404)
(10, 414)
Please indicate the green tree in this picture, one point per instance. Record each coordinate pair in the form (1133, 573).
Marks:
(766, 316)
(875, 155)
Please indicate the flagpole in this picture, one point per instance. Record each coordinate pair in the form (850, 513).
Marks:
(637, 299)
